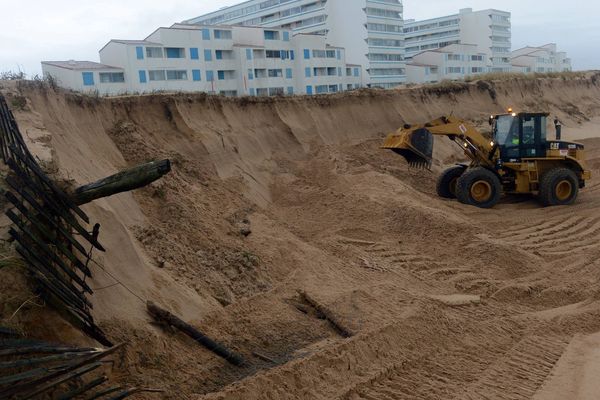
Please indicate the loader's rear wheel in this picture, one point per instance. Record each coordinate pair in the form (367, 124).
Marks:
(559, 187)
(446, 184)
(479, 187)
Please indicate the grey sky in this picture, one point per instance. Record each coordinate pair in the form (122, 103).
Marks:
(38, 30)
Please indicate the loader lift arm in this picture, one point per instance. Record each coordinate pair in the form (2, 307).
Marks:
(415, 142)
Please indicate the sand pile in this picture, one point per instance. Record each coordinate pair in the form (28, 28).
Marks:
(271, 196)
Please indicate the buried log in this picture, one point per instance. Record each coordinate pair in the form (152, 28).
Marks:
(163, 316)
(123, 181)
(327, 314)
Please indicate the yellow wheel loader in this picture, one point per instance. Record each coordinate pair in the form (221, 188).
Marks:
(517, 158)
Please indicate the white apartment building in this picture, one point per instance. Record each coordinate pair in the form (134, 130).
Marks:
(540, 59)
(371, 31)
(229, 60)
(453, 62)
(490, 30)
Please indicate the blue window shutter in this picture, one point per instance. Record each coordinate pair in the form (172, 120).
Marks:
(290, 90)
(221, 75)
(205, 34)
(139, 51)
(196, 76)
(307, 72)
(173, 53)
(219, 54)
(250, 75)
(288, 73)
(356, 72)
(88, 78)
(309, 90)
(338, 54)
(194, 53)
(248, 54)
(286, 36)
(306, 54)
(207, 55)
(210, 76)
(291, 54)
(142, 76)
(217, 34)
(252, 92)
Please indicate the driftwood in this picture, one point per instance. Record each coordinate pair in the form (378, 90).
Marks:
(161, 315)
(327, 314)
(123, 181)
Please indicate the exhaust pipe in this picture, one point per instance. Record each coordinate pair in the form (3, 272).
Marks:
(558, 128)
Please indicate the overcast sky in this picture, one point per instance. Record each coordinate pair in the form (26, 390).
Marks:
(37, 30)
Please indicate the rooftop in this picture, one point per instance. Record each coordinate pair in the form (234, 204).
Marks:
(80, 65)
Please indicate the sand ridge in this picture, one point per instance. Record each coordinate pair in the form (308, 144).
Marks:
(444, 300)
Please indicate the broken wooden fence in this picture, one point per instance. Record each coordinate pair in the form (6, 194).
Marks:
(30, 368)
(50, 231)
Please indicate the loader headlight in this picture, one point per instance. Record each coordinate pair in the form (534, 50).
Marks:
(466, 144)
(492, 144)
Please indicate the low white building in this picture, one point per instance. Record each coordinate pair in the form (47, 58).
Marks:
(490, 30)
(453, 62)
(229, 60)
(540, 59)
(371, 31)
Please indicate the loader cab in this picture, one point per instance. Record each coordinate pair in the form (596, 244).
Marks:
(520, 136)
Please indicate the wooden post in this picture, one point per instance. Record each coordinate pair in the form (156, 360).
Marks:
(161, 315)
(326, 312)
(123, 181)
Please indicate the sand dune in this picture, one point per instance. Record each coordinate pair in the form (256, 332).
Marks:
(333, 215)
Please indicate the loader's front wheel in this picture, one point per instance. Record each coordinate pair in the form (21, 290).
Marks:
(559, 187)
(479, 187)
(446, 184)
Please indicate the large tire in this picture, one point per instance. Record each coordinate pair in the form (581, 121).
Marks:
(446, 184)
(479, 187)
(559, 187)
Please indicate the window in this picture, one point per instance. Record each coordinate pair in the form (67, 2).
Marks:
(275, 73)
(154, 52)
(356, 72)
(476, 58)
(320, 89)
(175, 52)
(309, 90)
(196, 75)
(288, 73)
(306, 54)
(205, 34)
(348, 71)
(210, 76)
(222, 34)
(252, 92)
(142, 75)
(286, 36)
(156, 75)
(177, 75)
(307, 72)
(250, 75)
(194, 54)
(290, 90)
(112, 77)
(271, 35)
(454, 57)
(276, 91)
(248, 54)
(273, 54)
(219, 54)
(454, 70)
(207, 55)
(139, 52)
(262, 92)
(221, 75)
(88, 78)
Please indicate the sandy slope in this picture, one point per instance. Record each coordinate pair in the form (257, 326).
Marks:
(350, 224)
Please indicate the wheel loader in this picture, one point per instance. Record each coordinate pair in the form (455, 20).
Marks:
(517, 158)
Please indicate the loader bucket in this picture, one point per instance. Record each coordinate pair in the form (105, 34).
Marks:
(415, 146)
